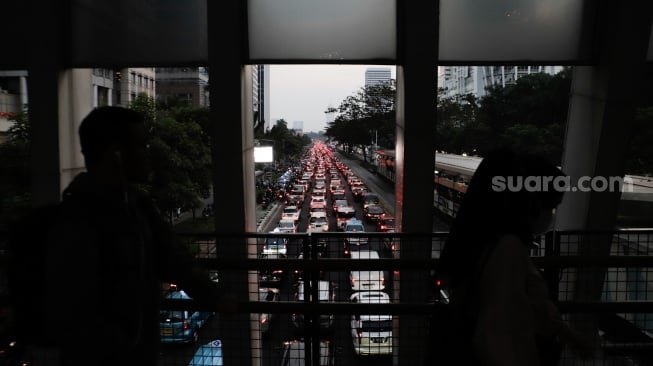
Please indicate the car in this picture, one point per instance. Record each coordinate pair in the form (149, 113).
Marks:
(366, 280)
(385, 223)
(339, 203)
(266, 276)
(370, 199)
(209, 354)
(357, 241)
(344, 214)
(319, 193)
(373, 212)
(295, 197)
(371, 334)
(286, 226)
(359, 191)
(317, 211)
(293, 353)
(319, 184)
(181, 326)
(339, 195)
(290, 212)
(326, 293)
(335, 184)
(275, 245)
(299, 274)
(319, 220)
(269, 295)
(317, 201)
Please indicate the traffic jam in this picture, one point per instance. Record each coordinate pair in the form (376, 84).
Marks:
(323, 194)
(319, 194)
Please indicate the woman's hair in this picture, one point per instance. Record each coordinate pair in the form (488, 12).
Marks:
(493, 207)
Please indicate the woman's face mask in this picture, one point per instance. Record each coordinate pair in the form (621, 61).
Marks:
(543, 222)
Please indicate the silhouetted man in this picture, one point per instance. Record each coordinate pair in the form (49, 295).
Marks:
(109, 249)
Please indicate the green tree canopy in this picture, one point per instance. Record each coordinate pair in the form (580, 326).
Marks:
(364, 117)
(179, 152)
(15, 173)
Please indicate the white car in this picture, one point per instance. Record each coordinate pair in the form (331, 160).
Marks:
(318, 202)
(319, 220)
(290, 212)
(287, 226)
(275, 245)
(371, 334)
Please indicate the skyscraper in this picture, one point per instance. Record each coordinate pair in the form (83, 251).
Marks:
(458, 80)
(377, 75)
(261, 90)
(298, 126)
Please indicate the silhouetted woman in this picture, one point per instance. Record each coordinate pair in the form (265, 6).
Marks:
(486, 263)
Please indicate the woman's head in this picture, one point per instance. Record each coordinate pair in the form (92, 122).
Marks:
(509, 193)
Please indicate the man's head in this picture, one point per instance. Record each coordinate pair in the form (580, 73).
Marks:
(114, 143)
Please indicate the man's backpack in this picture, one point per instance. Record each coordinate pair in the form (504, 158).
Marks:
(26, 273)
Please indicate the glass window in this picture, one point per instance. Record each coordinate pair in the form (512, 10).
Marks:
(322, 30)
(473, 30)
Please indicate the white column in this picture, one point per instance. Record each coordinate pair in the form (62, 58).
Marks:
(23, 92)
(95, 96)
(600, 118)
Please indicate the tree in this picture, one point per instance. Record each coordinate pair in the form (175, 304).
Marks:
(529, 114)
(364, 117)
(288, 145)
(179, 152)
(15, 174)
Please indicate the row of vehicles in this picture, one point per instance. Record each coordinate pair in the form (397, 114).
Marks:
(317, 196)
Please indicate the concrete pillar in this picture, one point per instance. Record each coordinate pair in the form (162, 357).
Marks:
(45, 64)
(23, 92)
(233, 179)
(77, 98)
(415, 154)
(95, 96)
(601, 112)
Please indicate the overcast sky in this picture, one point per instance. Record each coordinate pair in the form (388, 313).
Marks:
(304, 92)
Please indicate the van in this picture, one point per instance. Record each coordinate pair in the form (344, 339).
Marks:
(181, 326)
(373, 280)
(371, 334)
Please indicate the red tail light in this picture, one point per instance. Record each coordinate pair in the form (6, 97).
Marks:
(185, 327)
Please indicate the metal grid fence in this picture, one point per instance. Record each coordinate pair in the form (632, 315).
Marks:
(307, 304)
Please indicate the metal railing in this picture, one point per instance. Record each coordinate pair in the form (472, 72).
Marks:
(601, 281)
(573, 271)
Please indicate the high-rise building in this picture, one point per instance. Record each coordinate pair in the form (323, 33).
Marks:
(121, 87)
(475, 80)
(261, 94)
(298, 127)
(377, 75)
(190, 84)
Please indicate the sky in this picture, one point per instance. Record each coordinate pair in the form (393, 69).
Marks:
(304, 92)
